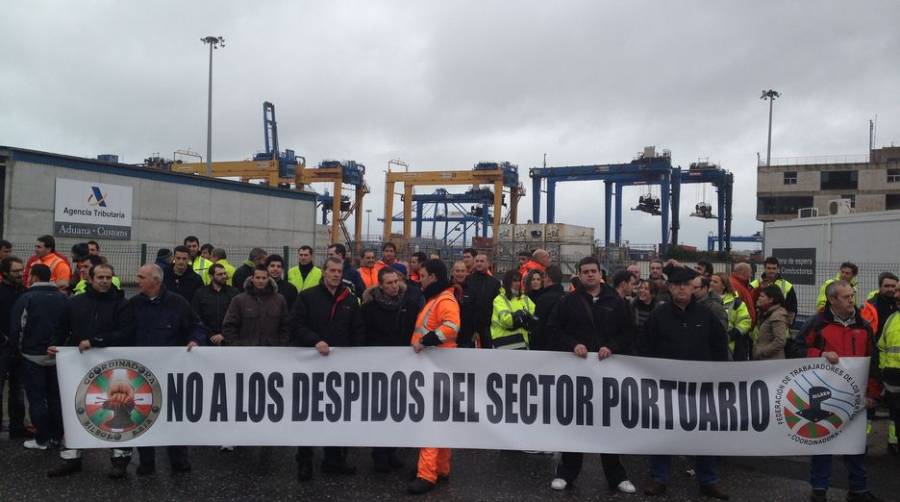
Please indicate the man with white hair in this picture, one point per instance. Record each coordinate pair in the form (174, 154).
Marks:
(156, 317)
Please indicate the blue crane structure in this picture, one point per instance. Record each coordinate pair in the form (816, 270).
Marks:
(648, 169)
(723, 181)
(642, 171)
(287, 160)
(473, 216)
(712, 239)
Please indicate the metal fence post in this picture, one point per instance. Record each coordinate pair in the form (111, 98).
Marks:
(286, 250)
(143, 254)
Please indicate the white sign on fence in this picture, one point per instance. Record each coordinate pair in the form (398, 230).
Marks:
(461, 398)
(89, 210)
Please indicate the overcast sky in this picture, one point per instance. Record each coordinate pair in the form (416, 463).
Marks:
(442, 85)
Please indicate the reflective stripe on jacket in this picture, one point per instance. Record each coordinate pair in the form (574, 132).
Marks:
(503, 334)
(201, 267)
(889, 343)
(441, 315)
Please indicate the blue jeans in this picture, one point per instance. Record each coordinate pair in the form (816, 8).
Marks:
(705, 466)
(42, 390)
(820, 471)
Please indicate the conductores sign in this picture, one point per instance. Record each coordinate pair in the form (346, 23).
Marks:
(88, 210)
(798, 265)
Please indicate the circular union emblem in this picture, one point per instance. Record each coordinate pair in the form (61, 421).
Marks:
(118, 400)
(816, 401)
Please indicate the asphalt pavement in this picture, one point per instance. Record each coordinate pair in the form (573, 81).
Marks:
(266, 473)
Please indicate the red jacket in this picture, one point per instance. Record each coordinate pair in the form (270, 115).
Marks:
(742, 289)
(857, 339)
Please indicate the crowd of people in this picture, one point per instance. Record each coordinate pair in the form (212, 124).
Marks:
(193, 296)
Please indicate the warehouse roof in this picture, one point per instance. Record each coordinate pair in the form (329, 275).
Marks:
(99, 166)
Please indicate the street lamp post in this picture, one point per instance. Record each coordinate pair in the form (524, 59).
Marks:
(368, 214)
(214, 43)
(770, 95)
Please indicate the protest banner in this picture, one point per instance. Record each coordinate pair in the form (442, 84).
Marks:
(490, 399)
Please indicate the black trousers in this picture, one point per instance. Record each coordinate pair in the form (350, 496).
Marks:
(383, 455)
(332, 455)
(11, 372)
(570, 467)
(177, 454)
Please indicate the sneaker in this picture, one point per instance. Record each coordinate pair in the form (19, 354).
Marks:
(559, 484)
(626, 487)
(32, 444)
(65, 468)
(226, 448)
(419, 486)
(862, 497)
(818, 496)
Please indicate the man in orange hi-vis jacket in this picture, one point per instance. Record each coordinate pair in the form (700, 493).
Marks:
(436, 326)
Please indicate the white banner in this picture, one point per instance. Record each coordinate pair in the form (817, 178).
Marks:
(491, 399)
(92, 210)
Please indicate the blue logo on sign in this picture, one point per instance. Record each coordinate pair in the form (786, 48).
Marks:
(97, 198)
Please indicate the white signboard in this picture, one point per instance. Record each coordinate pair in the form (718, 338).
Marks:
(459, 398)
(90, 210)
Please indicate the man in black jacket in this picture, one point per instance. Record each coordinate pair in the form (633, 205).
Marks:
(211, 302)
(685, 330)
(389, 314)
(38, 317)
(885, 301)
(538, 338)
(591, 319)
(93, 321)
(157, 317)
(11, 288)
(327, 316)
(477, 305)
(257, 257)
(275, 266)
(350, 276)
(180, 278)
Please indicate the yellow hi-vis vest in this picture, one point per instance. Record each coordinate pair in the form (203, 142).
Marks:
(313, 278)
(503, 334)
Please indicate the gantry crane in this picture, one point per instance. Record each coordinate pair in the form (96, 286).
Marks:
(498, 175)
(282, 169)
(339, 173)
(276, 167)
(473, 216)
(648, 169)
